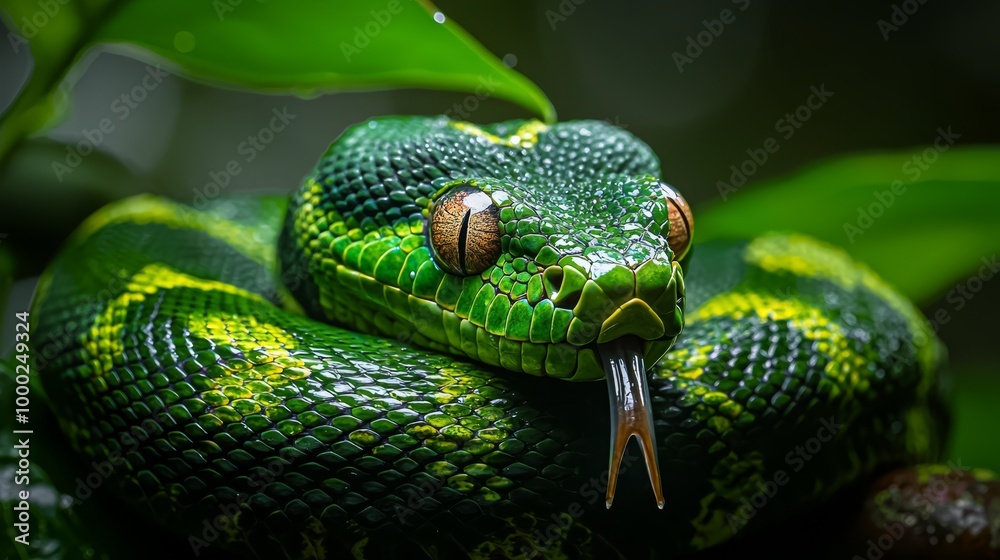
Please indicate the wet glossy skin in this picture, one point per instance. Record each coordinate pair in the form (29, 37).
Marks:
(583, 253)
(330, 442)
(519, 245)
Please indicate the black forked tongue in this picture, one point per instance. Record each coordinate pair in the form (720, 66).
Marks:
(631, 410)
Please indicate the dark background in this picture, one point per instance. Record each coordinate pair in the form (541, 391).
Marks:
(602, 60)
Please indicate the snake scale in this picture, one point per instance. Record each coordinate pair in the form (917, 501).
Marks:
(384, 362)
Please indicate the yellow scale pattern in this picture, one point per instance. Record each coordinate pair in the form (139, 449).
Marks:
(148, 209)
(844, 370)
(845, 365)
(273, 366)
(803, 256)
(525, 137)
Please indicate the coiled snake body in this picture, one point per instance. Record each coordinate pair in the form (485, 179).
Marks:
(388, 365)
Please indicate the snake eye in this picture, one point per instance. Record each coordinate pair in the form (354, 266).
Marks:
(681, 223)
(465, 231)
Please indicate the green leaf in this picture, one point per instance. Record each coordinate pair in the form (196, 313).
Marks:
(57, 34)
(37, 183)
(305, 47)
(308, 46)
(939, 224)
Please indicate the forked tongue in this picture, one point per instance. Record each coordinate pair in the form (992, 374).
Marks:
(631, 410)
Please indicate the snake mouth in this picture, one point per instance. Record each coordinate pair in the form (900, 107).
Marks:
(631, 410)
(634, 317)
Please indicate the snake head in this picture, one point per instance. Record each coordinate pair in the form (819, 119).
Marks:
(555, 271)
(550, 250)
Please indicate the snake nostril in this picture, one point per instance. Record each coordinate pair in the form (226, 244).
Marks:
(569, 300)
(564, 285)
(552, 279)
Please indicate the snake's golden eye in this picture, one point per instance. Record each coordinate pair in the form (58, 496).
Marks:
(465, 231)
(681, 223)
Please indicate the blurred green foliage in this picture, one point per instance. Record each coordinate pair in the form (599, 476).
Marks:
(55, 531)
(294, 46)
(922, 219)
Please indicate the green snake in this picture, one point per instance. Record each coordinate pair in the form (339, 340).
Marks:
(386, 361)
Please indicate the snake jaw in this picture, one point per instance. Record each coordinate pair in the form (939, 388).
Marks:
(631, 413)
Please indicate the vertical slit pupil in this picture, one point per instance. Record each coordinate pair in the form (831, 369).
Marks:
(463, 234)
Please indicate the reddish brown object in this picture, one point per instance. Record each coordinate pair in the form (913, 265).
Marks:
(465, 231)
(681, 223)
(930, 511)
